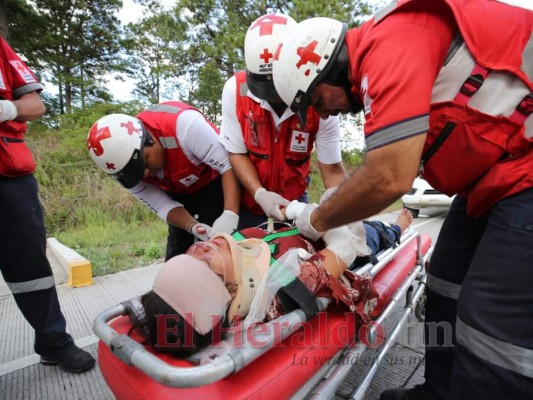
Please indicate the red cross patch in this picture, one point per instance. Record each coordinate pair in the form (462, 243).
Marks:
(23, 71)
(299, 141)
(188, 180)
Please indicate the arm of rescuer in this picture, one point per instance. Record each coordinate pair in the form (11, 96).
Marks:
(168, 210)
(28, 107)
(328, 152)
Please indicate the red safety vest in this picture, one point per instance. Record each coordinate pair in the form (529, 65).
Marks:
(482, 157)
(281, 157)
(15, 157)
(180, 174)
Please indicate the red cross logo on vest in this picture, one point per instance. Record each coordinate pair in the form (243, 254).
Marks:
(110, 165)
(188, 180)
(300, 138)
(129, 126)
(23, 71)
(307, 55)
(95, 137)
(299, 141)
(266, 56)
(266, 23)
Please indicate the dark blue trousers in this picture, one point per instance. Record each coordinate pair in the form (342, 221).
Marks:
(479, 310)
(24, 264)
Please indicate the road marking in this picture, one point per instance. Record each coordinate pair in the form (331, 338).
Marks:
(33, 359)
(425, 222)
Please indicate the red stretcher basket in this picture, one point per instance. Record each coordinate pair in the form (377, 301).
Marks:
(288, 358)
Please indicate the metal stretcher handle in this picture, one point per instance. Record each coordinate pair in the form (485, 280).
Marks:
(133, 353)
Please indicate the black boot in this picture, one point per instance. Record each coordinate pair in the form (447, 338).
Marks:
(70, 359)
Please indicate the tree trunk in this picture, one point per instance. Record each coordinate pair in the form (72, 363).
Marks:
(3, 19)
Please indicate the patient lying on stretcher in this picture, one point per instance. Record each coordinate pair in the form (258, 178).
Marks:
(253, 276)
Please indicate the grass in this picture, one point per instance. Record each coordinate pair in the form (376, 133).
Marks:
(118, 245)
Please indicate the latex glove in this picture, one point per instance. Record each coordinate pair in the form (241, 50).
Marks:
(303, 223)
(270, 202)
(327, 194)
(199, 230)
(227, 222)
(294, 209)
(343, 243)
(8, 111)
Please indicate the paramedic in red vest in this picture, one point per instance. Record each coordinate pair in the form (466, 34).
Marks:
(169, 158)
(446, 90)
(270, 150)
(23, 262)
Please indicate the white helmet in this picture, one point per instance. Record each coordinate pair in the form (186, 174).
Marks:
(260, 45)
(115, 143)
(307, 54)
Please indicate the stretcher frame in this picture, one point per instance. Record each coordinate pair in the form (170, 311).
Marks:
(324, 383)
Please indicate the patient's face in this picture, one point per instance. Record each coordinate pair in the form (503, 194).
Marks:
(217, 255)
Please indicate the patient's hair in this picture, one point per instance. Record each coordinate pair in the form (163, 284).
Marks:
(179, 337)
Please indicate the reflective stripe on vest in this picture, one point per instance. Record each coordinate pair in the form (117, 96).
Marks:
(442, 287)
(168, 142)
(505, 355)
(165, 108)
(479, 74)
(395, 132)
(31, 286)
(243, 89)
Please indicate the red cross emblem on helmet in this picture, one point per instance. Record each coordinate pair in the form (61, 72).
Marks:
(307, 54)
(95, 137)
(266, 23)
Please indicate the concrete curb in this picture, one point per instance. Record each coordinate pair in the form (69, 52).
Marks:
(78, 268)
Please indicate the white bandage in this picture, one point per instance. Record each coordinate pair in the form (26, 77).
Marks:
(343, 243)
(8, 111)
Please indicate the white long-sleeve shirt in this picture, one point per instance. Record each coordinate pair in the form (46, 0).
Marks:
(200, 144)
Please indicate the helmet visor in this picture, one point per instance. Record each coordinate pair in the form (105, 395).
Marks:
(133, 172)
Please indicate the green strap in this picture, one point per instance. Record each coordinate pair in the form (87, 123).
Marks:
(272, 236)
(237, 235)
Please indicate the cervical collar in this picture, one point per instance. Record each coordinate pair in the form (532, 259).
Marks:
(251, 260)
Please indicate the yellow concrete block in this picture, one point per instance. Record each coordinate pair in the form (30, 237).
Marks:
(80, 271)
